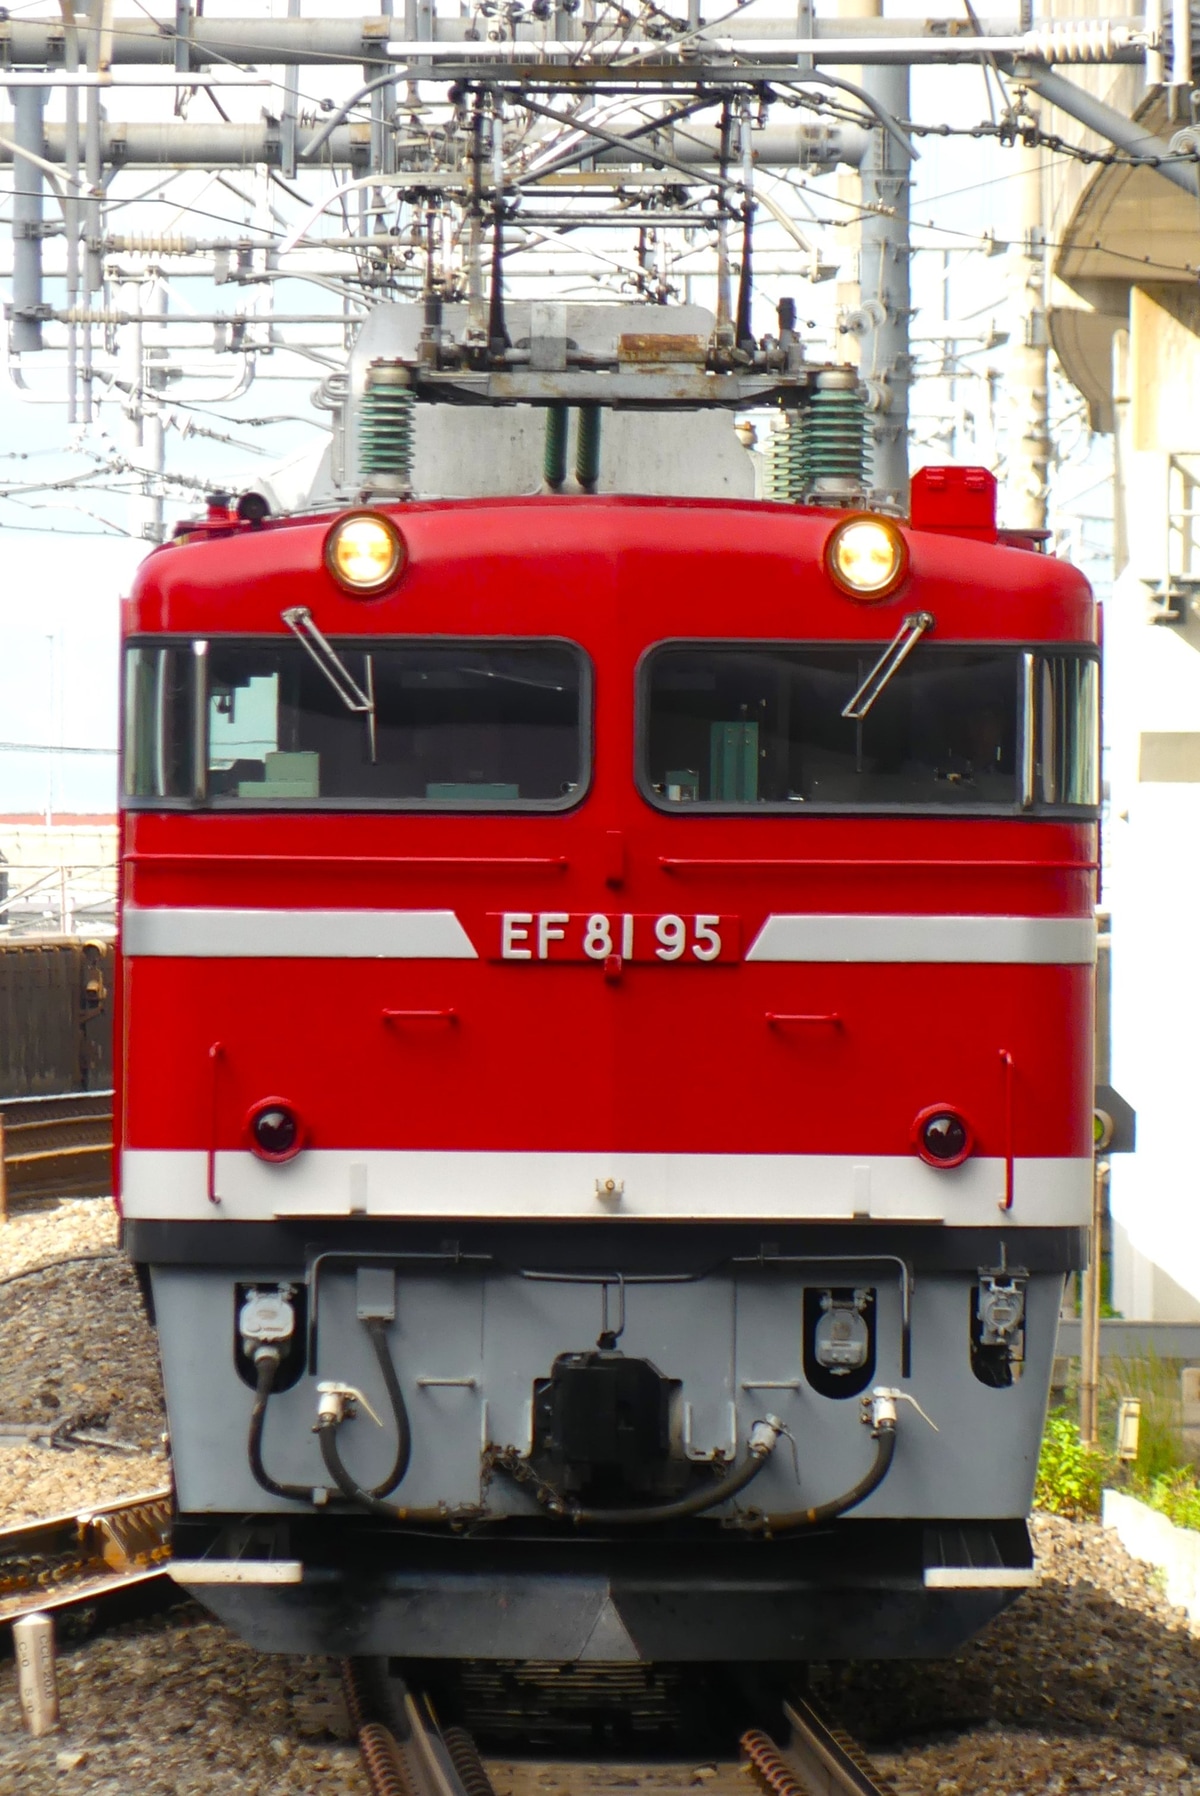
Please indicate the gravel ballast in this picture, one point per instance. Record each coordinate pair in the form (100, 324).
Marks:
(1090, 1682)
(75, 1347)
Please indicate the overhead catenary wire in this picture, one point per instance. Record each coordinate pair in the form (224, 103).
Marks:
(613, 33)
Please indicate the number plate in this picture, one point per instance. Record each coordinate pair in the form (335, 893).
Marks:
(672, 938)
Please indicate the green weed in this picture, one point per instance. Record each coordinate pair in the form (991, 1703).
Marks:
(1175, 1495)
(1070, 1476)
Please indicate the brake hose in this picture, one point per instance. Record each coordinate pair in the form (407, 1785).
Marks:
(763, 1437)
(267, 1361)
(326, 1431)
(266, 1364)
(327, 1426)
(734, 1480)
(885, 1447)
(330, 1414)
(378, 1333)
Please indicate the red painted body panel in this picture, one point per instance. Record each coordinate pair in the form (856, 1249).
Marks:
(646, 568)
(558, 1057)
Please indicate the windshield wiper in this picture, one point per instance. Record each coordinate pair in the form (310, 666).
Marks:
(509, 679)
(889, 663)
(299, 620)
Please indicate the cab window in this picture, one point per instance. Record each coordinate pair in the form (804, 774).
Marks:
(752, 726)
(469, 725)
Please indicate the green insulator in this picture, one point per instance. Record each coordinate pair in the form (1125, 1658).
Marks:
(832, 458)
(554, 461)
(587, 448)
(386, 427)
(781, 463)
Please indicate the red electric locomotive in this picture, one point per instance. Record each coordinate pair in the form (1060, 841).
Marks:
(606, 1063)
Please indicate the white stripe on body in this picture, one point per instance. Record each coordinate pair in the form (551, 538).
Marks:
(997, 941)
(227, 934)
(410, 1183)
(252, 934)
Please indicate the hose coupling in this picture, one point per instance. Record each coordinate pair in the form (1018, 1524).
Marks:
(880, 1408)
(337, 1401)
(763, 1437)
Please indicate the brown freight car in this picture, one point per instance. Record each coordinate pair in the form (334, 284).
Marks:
(55, 1016)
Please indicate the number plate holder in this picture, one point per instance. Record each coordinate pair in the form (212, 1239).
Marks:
(670, 938)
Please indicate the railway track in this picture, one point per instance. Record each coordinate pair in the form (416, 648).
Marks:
(59, 1146)
(818, 1760)
(89, 1559)
(97, 1554)
(407, 1752)
(110, 1551)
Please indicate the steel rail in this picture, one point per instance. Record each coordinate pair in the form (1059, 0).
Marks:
(405, 1752)
(819, 1760)
(55, 1146)
(65, 1560)
(829, 1761)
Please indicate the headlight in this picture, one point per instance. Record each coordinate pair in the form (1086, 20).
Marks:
(364, 552)
(275, 1130)
(866, 557)
(942, 1136)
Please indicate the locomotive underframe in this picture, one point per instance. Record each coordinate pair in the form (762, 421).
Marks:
(855, 1589)
(478, 1327)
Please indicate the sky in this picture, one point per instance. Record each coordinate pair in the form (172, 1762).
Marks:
(59, 618)
(66, 559)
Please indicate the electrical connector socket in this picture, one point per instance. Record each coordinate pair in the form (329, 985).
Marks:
(267, 1318)
(375, 1294)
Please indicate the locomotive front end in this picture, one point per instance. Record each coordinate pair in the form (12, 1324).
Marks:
(606, 1067)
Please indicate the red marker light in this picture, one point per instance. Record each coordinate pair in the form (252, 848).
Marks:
(275, 1130)
(942, 1136)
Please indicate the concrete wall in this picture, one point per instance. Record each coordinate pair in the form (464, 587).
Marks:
(1152, 696)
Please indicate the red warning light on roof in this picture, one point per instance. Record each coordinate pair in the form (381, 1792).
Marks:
(955, 501)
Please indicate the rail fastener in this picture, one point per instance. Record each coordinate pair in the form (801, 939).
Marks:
(819, 1760)
(404, 1750)
(68, 1559)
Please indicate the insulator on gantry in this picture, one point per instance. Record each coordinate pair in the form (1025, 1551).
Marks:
(1080, 40)
(587, 448)
(781, 480)
(820, 453)
(554, 464)
(833, 438)
(387, 421)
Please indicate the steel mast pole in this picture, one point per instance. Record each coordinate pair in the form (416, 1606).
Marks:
(28, 190)
(884, 280)
(1027, 380)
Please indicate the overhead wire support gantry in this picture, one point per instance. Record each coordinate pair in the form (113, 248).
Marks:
(470, 146)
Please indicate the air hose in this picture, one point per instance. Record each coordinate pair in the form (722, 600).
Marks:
(378, 1333)
(266, 1365)
(331, 1412)
(267, 1360)
(763, 1437)
(327, 1427)
(885, 1447)
(761, 1447)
